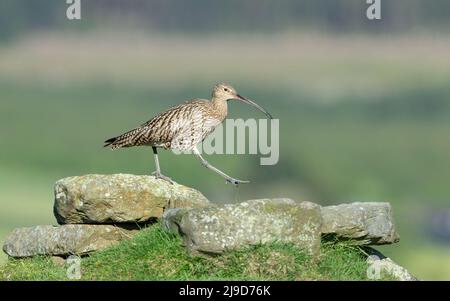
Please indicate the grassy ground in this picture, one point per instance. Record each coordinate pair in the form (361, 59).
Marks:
(156, 255)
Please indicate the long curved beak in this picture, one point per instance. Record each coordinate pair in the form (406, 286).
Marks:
(252, 103)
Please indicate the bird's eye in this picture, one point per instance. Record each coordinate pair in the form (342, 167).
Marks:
(225, 89)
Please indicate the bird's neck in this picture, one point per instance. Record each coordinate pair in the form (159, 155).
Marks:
(220, 108)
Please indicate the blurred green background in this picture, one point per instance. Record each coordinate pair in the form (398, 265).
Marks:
(364, 106)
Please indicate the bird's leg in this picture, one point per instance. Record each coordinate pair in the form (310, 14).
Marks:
(158, 173)
(224, 175)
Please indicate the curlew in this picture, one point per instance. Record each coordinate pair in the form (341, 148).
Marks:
(183, 126)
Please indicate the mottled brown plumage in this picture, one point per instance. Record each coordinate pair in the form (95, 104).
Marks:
(167, 128)
(182, 127)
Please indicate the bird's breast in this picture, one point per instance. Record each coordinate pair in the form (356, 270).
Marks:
(209, 125)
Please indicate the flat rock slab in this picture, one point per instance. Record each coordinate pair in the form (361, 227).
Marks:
(119, 198)
(232, 226)
(364, 223)
(63, 240)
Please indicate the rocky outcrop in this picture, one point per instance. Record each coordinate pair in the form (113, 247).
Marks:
(119, 198)
(214, 230)
(363, 223)
(232, 226)
(99, 211)
(63, 240)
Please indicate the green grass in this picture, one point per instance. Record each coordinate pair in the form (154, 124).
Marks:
(156, 255)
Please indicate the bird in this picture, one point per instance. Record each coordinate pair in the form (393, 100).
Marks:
(183, 127)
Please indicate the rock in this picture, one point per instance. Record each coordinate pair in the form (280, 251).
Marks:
(119, 198)
(58, 261)
(63, 240)
(380, 265)
(172, 219)
(232, 226)
(365, 223)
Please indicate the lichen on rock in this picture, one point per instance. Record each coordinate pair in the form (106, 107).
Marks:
(232, 226)
(368, 223)
(63, 240)
(119, 198)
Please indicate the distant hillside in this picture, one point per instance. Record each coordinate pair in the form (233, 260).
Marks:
(204, 16)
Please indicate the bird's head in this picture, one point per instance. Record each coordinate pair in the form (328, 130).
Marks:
(227, 92)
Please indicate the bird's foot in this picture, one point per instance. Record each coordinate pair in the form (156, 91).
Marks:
(159, 175)
(236, 182)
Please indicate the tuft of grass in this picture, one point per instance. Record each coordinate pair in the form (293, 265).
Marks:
(36, 268)
(156, 255)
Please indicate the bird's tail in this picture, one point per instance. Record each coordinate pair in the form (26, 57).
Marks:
(124, 140)
(110, 142)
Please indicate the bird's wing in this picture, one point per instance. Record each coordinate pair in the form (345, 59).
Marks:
(189, 127)
(176, 122)
(183, 120)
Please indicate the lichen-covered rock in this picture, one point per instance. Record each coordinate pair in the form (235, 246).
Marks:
(63, 240)
(364, 223)
(232, 226)
(119, 198)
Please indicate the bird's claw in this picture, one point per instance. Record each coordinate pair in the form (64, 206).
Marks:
(159, 175)
(236, 182)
